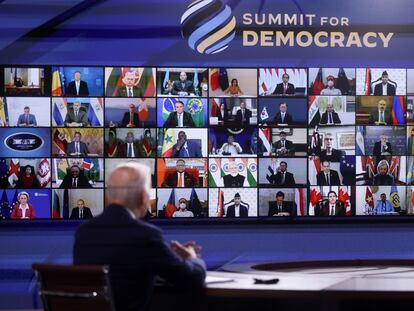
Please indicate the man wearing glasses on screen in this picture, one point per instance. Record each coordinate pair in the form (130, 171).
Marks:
(329, 153)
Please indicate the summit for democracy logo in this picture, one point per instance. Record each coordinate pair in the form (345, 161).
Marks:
(209, 26)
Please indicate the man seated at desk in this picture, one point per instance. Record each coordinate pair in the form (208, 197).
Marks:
(183, 87)
(230, 147)
(76, 117)
(383, 206)
(281, 207)
(282, 116)
(26, 119)
(76, 147)
(283, 146)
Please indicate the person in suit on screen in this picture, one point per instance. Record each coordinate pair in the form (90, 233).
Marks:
(282, 177)
(223, 114)
(76, 147)
(130, 118)
(331, 207)
(380, 116)
(182, 87)
(330, 117)
(76, 117)
(130, 88)
(384, 88)
(75, 179)
(285, 88)
(180, 178)
(81, 211)
(327, 177)
(237, 209)
(179, 117)
(185, 148)
(77, 87)
(26, 119)
(23, 209)
(383, 177)
(132, 276)
(283, 146)
(382, 147)
(243, 115)
(282, 116)
(383, 206)
(329, 153)
(233, 179)
(281, 207)
(129, 148)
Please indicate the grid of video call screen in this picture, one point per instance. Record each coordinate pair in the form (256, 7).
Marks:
(220, 142)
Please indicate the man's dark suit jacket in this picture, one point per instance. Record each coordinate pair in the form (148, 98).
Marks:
(377, 148)
(374, 117)
(386, 179)
(334, 157)
(335, 118)
(236, 181)
(82, 117)
(223, 118)
(333, 178)
(135, 253)
(172, 180)
(288, 145)
(123, 150)
(287, 207)
(278, 118)
(247, 115)
(126, 119)
(172, 120)
(231, 211)
(178, 87)
(289, 91)
(86, 213)
(83, 89)
(323, 209)
(276, 179)
(390, 89)
(82, 182)
(122, 91)
(194, 150)
(82, 146)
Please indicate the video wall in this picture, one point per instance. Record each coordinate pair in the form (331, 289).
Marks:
(220, 142)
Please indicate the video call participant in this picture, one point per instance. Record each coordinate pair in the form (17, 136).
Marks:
(237, 209)
(23, 209)
(331, 207)
(282, 116)
(180, 178)
(285, 88)
(380, 116)
(230, 147)
(330, 117)
(185, 148)
(28, 179)
(384, 88)
(243, 115)
(283, 146)
(330, 88)
(183, 87)
(130, 88)
(179, 117)
(327, 177)
(26, 119)
(129, 148)
(282, 177)
(281, 208)
(130, 118)
(382, 177)
(233, 179)
(329, 153)
(223, 114)
(132, 277)
(382, 147)
(233, 89)
(146, 144)
(81, 211)
(77, 87)
(75, 179)
(75, 117)
(182, 209)
(76, 147)
(383, 206)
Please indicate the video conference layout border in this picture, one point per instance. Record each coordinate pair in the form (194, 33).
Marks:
(220, 142)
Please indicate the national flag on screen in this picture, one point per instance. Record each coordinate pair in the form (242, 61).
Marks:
(94, 171)
(272, 169)
(166, 79)
(344, 197)
(212, 142)
(195, 80)
(60, 142)
(395, 198)
(314, 198)
(14, 172)
(369, 201)
(196, 108)
(14, 201)
(195, 204)
(4, 113)
(59, 111)
(410, 145)
(215, 107)
(216, 172)
(112, 143)
(264, 114)
(220, 203)
(43, 174)
(347, 168)
(223, 79)
(318, 85)
(168, 143)
(300, 201)
(370, 166)
(61, 167)
(360, 143)
(4, 174)
(170, 208)
(168, 106)
(410, 170)
(313, 113)
(65, 209)
(314, 169)
(115, 80)
(398, 111)
(56, 205)
(250, 165)
(264, 136)
(316, 143)
(58, 87)
(147, 143)
(4, 206)
(368, 78)
(95, 112)
(143, 111)
(86, 164)
(342, 82)
(394, 169)
(214, 79)
(147, 81)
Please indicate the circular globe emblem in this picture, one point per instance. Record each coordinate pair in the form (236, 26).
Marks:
(208, 26)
